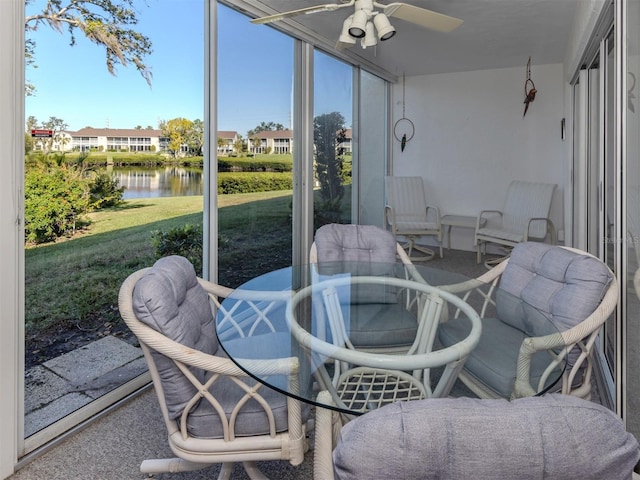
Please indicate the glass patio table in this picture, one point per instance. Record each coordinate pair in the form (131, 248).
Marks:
(365, 332)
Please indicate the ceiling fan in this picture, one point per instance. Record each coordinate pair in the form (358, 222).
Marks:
(370, 20)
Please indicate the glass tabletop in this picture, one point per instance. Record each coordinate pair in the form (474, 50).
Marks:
(370, 333)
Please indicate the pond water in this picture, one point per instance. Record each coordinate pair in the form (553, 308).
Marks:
(139, 182)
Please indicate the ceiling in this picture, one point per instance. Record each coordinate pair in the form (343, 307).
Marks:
(495, 34)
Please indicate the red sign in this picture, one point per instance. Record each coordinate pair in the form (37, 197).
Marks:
(42, 133)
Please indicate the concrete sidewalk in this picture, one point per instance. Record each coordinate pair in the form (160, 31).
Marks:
(70, 381)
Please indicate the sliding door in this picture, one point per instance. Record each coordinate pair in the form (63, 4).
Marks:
(631, 115)
(596, 187)
(89, 133)
(255, 144)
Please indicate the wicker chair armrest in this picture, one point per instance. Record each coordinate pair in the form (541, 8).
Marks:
(212, 363)
(594, 321)
(565, 339)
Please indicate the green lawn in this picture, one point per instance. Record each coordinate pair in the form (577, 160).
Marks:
(74, 283)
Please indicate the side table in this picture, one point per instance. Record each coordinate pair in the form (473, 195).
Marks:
(462, 221)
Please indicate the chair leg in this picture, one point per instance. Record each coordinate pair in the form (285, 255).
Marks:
(253, 471)
(411, 246)
(225, 471)
(170, 465)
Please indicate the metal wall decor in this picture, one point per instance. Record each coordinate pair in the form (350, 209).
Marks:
(529, 89)
(403, 130)
(630, 95)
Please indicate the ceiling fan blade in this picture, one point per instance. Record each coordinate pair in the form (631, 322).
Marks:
(329, 7)
(420, 16)
(343, 45)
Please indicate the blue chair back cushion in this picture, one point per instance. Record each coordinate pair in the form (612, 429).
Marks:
(358, 250)
(555, 437)
(169, 299)
(562, 285)
(355, 243)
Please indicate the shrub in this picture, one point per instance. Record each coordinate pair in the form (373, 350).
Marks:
(185, 240)
(55, 198)
(105, 191)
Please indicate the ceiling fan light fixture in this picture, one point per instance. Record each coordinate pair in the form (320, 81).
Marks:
(369, 39)
(358, 26)
(344, 35)
(383, 27)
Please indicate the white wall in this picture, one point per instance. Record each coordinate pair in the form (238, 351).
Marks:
(471, 138)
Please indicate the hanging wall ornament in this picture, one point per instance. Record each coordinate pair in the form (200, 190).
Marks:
(403, 130)
(529, 89)
(630, 94)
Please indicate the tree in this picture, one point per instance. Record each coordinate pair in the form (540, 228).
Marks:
(46, 143)
(178, 131)
(195, 138)
(265, 127)
(239, 145)
(107, 23)
(221, 142)
(29, 141)
(257, 142)
(328, 133)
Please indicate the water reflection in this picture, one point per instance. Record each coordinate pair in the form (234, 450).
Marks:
(159, 182)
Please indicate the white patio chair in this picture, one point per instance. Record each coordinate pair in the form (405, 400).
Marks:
(524, 217)
(408, 215)
(515, 355)
(213, 411)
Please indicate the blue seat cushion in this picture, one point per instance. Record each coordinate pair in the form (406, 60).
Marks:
(555, 437)
(493, 361)
(380, 324)
(251, 419)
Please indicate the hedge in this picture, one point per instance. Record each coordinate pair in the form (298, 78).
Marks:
(225, 164)
(248, 182)
(253, 165)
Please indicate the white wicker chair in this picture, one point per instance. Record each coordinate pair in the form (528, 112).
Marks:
(523, 217)
(555, 437)
(212, 426)
(531, 368)
(408, 214)
(365, 250)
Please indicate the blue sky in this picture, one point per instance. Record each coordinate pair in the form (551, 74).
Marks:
(254, 69)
